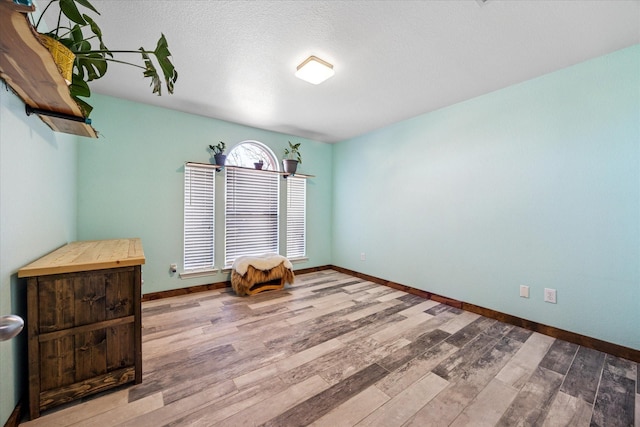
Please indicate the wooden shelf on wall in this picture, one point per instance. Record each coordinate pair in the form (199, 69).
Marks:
(28, 68)
(218, 168)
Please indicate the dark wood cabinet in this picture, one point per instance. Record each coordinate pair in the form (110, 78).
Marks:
(83, 321)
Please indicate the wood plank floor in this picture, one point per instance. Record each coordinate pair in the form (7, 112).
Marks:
(334, 350)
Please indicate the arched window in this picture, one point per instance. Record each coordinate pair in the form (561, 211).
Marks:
(251, 202)
(248, 153)
(252, 216)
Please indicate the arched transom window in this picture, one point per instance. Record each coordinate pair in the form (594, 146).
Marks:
(248, 153)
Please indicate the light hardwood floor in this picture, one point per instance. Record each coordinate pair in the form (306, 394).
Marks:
(334, 350)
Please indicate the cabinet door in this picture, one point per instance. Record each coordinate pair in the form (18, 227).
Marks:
(76, 299)
(78, 339)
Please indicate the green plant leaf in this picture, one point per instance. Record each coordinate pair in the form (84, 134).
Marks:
(79, 87)
(150, 71)
(94, 65)
(162, 54)
(67, 42)
(79, 44)
(83, 47)
(84, 106)
(70, 10)
(88, 5)
(98, 33)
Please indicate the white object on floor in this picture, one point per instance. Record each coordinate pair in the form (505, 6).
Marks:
(261, 262)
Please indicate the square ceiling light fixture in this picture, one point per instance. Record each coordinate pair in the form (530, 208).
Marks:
(314, 70)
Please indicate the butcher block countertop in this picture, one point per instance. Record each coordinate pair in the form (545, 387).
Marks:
(87, 255)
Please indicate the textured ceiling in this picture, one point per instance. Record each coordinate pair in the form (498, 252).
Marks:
(393, 59)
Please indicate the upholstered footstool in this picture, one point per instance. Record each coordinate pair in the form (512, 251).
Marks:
(253, 274)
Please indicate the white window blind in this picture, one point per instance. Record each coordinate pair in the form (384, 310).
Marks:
(199, 196)
(251, 213)
(296, 214)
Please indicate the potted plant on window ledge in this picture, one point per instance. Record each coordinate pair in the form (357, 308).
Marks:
(292, 158)
(218, 153)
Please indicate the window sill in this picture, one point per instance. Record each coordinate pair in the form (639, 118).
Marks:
(198, 273)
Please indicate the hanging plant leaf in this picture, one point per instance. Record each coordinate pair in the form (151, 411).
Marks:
(94, 65)
(79, 44)
(169, 71)
(79, 87)
(98, 33)
(70, 10)
(85, 107)
(88, 5)
(150, 71)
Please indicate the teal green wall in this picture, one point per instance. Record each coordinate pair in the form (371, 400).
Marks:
(131, 183)
(37, 215)
(537, 184)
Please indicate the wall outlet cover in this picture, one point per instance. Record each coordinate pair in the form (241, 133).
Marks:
(550, 295)
(524, 291)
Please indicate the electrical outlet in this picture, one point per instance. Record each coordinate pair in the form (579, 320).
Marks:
(550, 295)
(173, 268)
(363, 257)
(524, 291)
